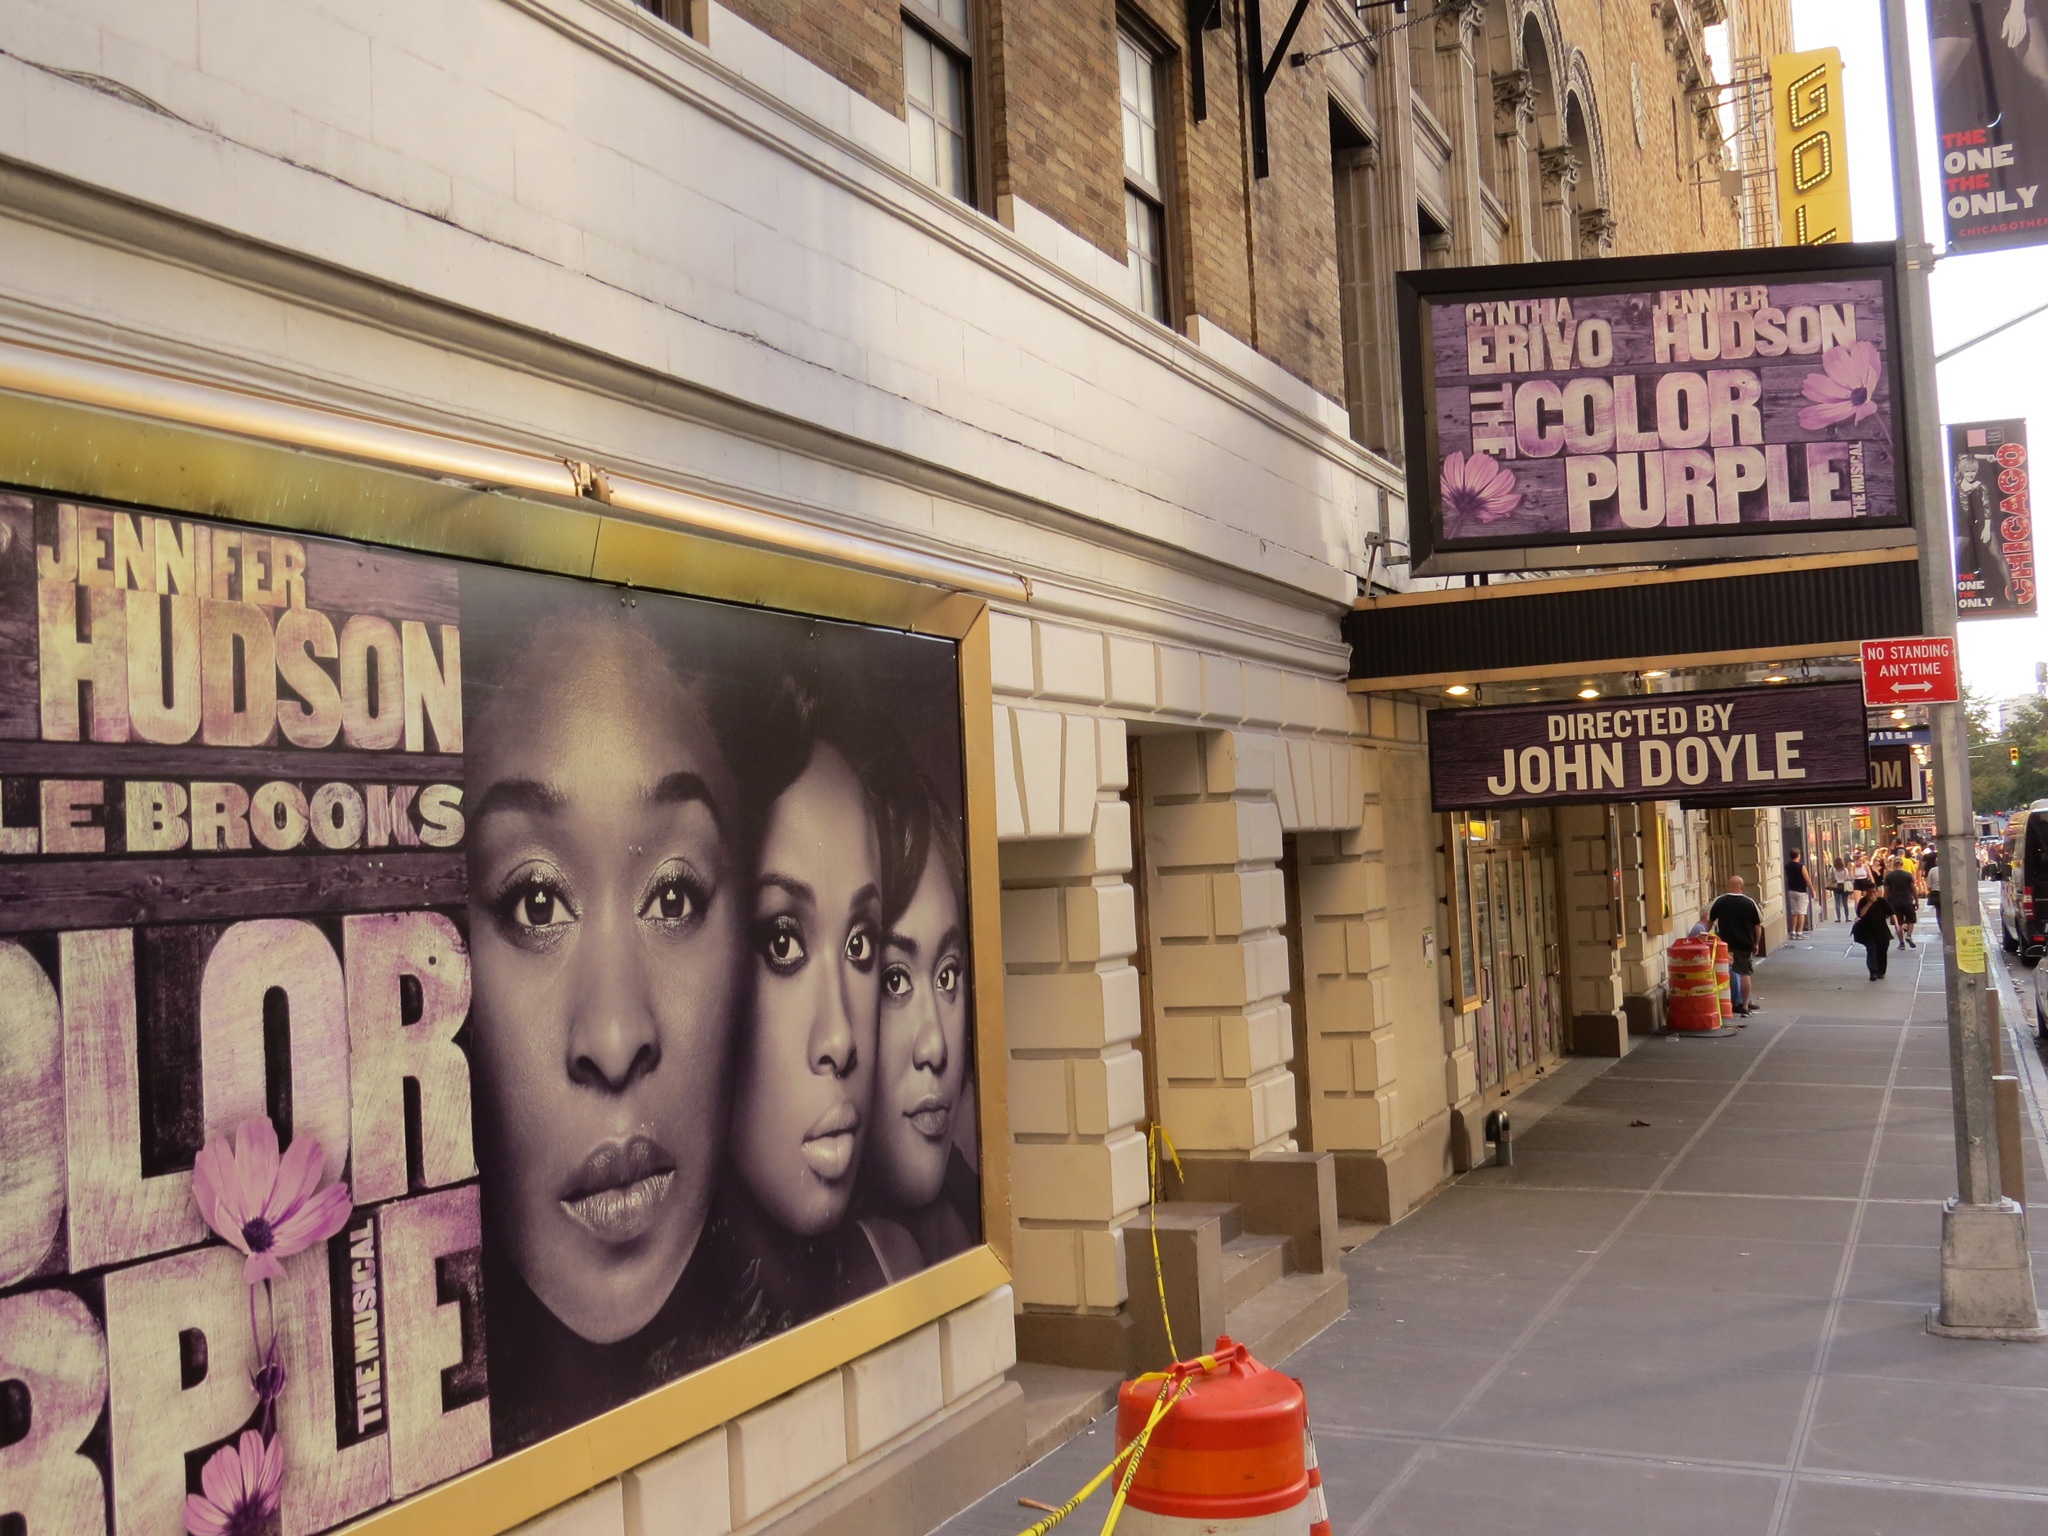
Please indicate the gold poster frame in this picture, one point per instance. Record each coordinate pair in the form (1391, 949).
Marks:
(54, 448)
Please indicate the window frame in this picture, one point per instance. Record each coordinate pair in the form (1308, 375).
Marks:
(966, 47)
(689, 17)
(1156, 194)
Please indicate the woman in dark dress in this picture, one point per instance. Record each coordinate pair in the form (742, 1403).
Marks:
(1875, 925)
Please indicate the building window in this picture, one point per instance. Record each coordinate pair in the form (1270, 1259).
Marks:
(680, 14)
(1364, 312)
(1144, 195)
(936, 52)
(1435, 239)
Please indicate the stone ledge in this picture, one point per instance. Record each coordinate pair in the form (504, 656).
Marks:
(975, 1445)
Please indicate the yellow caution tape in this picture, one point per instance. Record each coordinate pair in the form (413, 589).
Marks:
(1185, 1371)
(1129, 1456)
(1152, 1140)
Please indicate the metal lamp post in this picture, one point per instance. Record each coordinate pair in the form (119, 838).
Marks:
(1987, 1275)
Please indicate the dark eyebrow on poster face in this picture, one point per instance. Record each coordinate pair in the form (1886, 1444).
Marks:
(538, 799)
(952, 938)
(798, 890)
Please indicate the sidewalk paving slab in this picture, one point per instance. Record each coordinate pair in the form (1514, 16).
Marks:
(1712, 1325)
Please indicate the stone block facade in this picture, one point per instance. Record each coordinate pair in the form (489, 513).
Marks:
(701, 254)
(766, 1462)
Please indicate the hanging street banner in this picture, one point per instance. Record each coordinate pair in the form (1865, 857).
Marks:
(1743, 746)
(1993, 518)
(1812, 147)
(1991, 107)
(1568, 414)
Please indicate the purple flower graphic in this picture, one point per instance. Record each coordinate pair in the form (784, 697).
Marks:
(241, 1483)
(1478, 487)
(269, 1207)
(1845, 389)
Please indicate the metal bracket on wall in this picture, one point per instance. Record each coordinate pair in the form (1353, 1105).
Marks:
(1203, 16)
(1264, 69)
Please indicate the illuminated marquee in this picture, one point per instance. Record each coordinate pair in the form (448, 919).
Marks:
(1813, 168)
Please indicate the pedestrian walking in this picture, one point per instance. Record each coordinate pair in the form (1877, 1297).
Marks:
(1799, 894)
(1930, 875)
(1840, 879)
(1860, 878)
(1875, 926)
(1740, 923)
(1904, 896)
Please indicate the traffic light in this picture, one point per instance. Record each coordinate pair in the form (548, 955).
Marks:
(2012, 755)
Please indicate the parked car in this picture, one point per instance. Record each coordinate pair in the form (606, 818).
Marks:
(2023, 892)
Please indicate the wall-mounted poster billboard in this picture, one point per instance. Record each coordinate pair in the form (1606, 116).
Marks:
(1742, 746)
(1658, 408)
(442, 1004)
(1992, 507)
(1991, 106)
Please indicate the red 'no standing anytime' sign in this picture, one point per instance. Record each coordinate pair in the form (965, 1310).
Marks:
(1917, 671)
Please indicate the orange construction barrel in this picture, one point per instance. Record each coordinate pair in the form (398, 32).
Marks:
(1724, 980)
(1691, 995)
(1230, 1455)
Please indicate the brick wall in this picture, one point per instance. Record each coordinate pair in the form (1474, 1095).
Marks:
(1295, 318)
(859, 42)
(1257, 258)
(1059, 138)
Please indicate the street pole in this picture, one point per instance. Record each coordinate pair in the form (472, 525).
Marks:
(1987, 1275)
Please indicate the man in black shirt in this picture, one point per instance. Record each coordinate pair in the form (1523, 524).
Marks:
(1799, 894)
(1740, 924)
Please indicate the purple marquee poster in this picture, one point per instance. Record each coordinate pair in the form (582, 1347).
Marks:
(1575, 422)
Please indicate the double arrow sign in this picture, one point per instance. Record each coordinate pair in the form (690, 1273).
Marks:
(1913, 671)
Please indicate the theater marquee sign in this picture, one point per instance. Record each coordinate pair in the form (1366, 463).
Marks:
(1616, 412)
(1739, 747)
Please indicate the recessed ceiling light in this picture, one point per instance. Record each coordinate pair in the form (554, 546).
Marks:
(1775, 677)
(1457, 690)
(1589, 692)
(1898, 714)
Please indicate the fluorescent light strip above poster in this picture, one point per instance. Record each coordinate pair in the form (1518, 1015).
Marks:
(163, 397)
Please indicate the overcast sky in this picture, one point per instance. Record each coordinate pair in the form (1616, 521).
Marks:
(2005, 376)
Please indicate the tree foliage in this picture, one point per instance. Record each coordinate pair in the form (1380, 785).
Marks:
(1996, 783)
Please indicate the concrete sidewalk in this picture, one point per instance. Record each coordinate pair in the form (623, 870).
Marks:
(1695, 1307)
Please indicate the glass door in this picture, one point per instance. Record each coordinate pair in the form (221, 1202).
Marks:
(1524, 954)
(1508, 1016)
(1491, 1068)
(1550, 957)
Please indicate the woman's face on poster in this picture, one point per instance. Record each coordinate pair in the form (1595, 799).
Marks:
(801, 1111)
(606, 931)
(923, 1042)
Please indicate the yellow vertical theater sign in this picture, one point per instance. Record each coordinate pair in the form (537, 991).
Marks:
(1812, 147)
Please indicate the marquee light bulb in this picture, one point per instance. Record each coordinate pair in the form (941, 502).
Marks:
(1589, 692)
(1457, 690)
